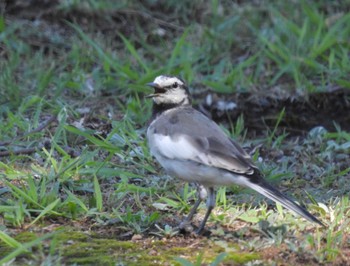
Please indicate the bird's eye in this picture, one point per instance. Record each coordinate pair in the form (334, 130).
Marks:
(175, 85)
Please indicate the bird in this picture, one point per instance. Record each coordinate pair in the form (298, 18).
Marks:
(193, 148)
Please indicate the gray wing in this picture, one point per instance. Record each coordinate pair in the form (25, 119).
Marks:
(187, 134)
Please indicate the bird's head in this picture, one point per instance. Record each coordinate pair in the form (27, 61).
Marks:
(169, 90)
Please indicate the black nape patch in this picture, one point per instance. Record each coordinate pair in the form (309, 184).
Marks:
(174, 119)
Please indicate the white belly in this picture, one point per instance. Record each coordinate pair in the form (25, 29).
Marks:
(198, 173)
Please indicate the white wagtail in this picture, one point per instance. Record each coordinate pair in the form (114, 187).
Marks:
(194, 148)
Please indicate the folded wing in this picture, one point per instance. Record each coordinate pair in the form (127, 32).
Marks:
(205, 150)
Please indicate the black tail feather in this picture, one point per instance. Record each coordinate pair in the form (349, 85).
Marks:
(261, 186)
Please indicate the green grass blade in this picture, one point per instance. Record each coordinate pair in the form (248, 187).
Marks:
(11, 242)
(184, 262)
(98, 142)
(32, 189)
(279, 119)
(219, 258)
(113, 62)
(45, 211)
(77, 200)
(176, 51)
(22, 194)
(98, 194)
(94, 45)
(134, 53)
(23, 248)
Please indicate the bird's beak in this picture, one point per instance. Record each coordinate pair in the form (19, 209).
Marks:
(155, 86)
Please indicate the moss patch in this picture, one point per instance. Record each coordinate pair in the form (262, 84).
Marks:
(88, 248)
(84, 249)
(22, 237)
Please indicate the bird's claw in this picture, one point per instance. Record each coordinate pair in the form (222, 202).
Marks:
(186, 227)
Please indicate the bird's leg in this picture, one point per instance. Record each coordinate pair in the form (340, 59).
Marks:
(202, 194)
(210, 207)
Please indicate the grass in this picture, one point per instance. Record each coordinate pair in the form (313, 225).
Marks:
(73, 116)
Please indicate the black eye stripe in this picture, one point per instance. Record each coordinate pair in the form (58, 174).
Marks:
(173, 86)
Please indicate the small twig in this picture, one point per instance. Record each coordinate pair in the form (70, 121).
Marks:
(149, 16)
(41, 127)
(35, 130)
(18, 152)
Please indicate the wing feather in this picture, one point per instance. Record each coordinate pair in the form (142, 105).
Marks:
(189, 135)
(202, 150)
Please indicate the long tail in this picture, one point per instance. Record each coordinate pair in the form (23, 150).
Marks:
(260, 185)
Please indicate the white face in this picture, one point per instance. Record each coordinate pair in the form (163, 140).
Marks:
(174, 91)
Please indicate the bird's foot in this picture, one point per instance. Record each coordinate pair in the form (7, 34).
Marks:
(186, 227)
